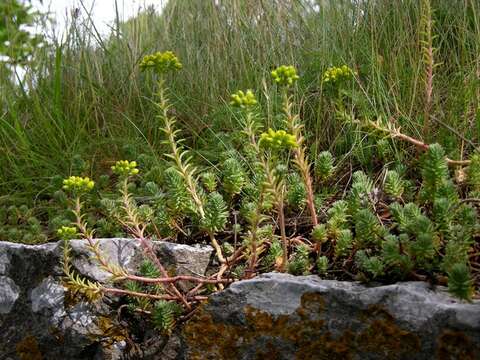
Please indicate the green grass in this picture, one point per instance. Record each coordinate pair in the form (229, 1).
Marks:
(84, 104)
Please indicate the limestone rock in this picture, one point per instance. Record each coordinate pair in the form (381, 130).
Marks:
(274, 316)
(184, 259)
(279, 316)
(38, 319)
(127, 253)
(9, 292)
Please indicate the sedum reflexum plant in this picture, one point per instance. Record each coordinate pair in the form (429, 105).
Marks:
(210, 219)
(334, 76)
(388, 228)
(286, 76)
(165, 300)
(274, 142)
(435, 234)
(324, 166)
(161, 64)
(267, 151)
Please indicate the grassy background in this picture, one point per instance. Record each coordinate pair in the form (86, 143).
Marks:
(83, 103)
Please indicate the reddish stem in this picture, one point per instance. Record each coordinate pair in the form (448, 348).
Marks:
(173, 279)
(151, 296)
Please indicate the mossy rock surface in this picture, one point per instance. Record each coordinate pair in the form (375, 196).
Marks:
(278, 316)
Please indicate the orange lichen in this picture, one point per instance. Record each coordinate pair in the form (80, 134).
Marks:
(383, 333)
(306, 335)
(224, 341)
(27, 349)
(456, 345)
(303, 333)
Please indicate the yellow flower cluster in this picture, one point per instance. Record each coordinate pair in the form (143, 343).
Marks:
(243, 99)
(67, 232)
(125, 168)
(78, 184)
(161, 62)
(285, 75)
(277, 140)
(337, 74)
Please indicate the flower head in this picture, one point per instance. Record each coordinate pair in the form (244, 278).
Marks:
(277, 140)
(334, 75)
(67, 232)
(243, 99)
(161, 62)
(125, 168)
(78, 185)
(285, 75)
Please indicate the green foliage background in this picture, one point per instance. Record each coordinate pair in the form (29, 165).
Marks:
(84, 104)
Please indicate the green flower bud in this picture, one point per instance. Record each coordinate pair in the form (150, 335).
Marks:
(125, 168)
(78, 185)
(336, 75)
(161, 62)
(243, 99)
(277, 140)
(285, 75)
(67, 232)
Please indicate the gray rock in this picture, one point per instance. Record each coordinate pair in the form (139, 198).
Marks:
(273, 316)
(280, 316)
(9, 292)
(38, 318)
(127, 253)
(36, 324)
(121, 252)
(184, 259)
(4, 263)
(49, 295)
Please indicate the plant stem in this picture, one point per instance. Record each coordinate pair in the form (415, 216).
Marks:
(146, 244)
(172, 279)
(300, 155)
(217, 248)
(281, 219)
(395, 133)
(177, 154)
(254, 225)
(151, 296)
(427, 52)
